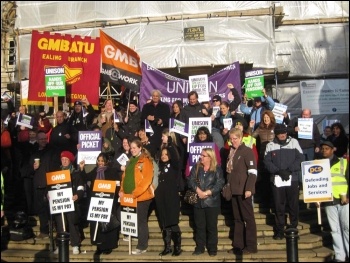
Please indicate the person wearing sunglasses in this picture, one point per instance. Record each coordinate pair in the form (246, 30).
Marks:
(206, 179)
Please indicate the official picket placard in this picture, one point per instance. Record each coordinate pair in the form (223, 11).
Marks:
(101, 203)
(90, 143)
(128, 215)
(60, 191)
(317, 181)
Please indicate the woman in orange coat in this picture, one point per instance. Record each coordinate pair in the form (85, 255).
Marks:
(137, 181)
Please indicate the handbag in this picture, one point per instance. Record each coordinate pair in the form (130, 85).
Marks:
(191, 196)
(226, 192)
(111, 225)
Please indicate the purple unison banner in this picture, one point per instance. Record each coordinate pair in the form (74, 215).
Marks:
(173, 88)
(90, 145)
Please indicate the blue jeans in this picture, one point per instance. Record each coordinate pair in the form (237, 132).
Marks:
(338, 218)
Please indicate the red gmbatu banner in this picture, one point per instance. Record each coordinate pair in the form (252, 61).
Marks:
(80, 57)
(120, 64)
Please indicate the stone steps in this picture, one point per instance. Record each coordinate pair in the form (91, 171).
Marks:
(314, 243)
(305, 255)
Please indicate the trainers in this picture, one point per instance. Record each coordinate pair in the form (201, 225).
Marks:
(41, 236)
(76, 250)
(138, 251)
(56, 251)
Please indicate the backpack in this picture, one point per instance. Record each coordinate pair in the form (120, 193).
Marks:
(155, 175)
(20, 230)
(20, 234)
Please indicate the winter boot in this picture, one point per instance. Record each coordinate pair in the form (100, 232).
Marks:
(167, 242)
(176, 237)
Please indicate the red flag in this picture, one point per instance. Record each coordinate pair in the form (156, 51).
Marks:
(120, 64)
(80, 56)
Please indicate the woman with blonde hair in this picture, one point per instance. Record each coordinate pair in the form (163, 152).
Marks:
(241, 178)
(206, 179)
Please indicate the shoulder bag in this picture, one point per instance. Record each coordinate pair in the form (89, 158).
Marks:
(191, 196)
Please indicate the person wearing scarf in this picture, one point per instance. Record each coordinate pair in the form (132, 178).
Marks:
(105, 241)
(71, 219)
(136, 181)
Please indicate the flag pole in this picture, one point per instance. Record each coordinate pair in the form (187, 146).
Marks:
(127, 110)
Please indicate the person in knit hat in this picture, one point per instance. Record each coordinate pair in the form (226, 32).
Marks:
(82, 115)
(71, 219)
(68, 155)
(283, 157)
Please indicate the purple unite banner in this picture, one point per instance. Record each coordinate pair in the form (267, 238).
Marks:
(173, 88)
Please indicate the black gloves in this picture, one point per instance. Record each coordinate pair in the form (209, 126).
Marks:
(284, 174)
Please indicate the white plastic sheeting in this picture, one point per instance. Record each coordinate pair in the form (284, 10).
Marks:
(37, 14)
(305, 50)
(309, 50)
(248, 39)
(313, 50)
(299, 10)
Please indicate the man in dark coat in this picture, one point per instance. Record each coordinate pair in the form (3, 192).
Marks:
(49, 161)
(158, 115)
(81, 118)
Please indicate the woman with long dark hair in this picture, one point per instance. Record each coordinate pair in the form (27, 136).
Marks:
(167, 198)
(105, 241)
(339, 139)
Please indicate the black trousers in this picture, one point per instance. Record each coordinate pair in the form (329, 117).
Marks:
(206, 221)
(42, 208)
(286, 198)
(245, 236)
(71, 226)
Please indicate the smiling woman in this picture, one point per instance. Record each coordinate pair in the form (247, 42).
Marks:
(137, 182)
(105, 241)
(206, 180)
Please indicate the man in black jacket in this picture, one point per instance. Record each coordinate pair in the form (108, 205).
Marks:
(158, 115)
(45, 159)
(283, 157)
(82, 116)
(309, 146)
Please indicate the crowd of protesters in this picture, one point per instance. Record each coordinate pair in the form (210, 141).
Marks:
(255, 150)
